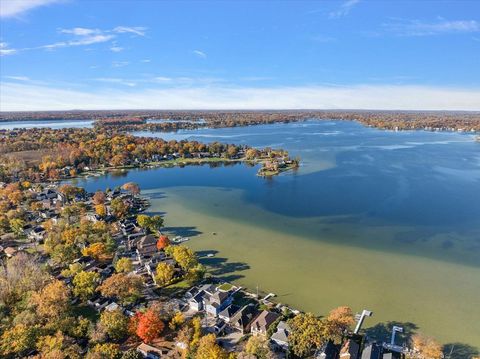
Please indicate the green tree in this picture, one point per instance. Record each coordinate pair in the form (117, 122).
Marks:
(84, 284)
(17, 224)
(152, 223)
(164, 273)
(123, 265)
(119, 208)
(115, 323)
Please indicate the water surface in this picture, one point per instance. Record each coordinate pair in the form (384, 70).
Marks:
(388, 221)
(55, 124)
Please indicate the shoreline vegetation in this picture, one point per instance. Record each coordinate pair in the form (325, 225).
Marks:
(153, 120)
(43, 154)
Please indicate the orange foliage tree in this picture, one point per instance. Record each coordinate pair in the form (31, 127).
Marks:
(149, 325)
(163, 242)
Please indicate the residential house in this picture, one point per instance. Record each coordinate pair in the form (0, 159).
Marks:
(242, 319)
(146, 246)
(150, 352)
(328, 351)
(263, 321)
(280, 337)
(218, 299)
(228, 313)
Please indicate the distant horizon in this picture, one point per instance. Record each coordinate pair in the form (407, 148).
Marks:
(244, 110)
(342, 54)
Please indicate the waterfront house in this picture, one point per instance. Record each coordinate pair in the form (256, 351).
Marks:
(328, 351)
(228, 313)
(350, 350)
(372, 351)
(242, 319)
(263, 321)
(219, 298)
(280, 337)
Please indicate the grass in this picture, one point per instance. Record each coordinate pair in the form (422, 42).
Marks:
(225, 287)
(183, 284)
(86, 312)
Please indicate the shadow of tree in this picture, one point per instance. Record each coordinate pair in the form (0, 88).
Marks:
(221, 268)
(459, 351)
(182, 231)
(156, 195)
(382, 332)
(157, 213)
(203, 254)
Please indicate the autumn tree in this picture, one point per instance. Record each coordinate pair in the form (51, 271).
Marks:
(126, 287)
(123, 265)
(18, 276)
(98, 251)
(164, 273)
(99, 198)
(132, 354)
(52, 301)
(257, 346)
(338, 322)
(306, 334)
(101, 210)
(84, 284)
(131, 187)
(149, 326)
(18, 339)
(115, 323)
(177, 320)
(163, 242)
(119, 208)
(209, 349)
(105, 351)
(152, 223)
(17, 224)
(426, 347)
(183, 255)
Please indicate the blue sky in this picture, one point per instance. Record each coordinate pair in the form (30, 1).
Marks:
(273, 54)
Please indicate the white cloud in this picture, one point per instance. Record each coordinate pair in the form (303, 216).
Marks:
(12, 8)
(81, 41)
(385, 97)
(200, 54)
(6, 50)
(137, 30)
(116, 48)
(120, 63)
(18, 78)
(80, 31)
(80, 36)
(344, 9)
(116, 81)
(419, 28)
(146, 61)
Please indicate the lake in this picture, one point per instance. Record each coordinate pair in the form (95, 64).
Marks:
(55, 124)
(387, 221)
